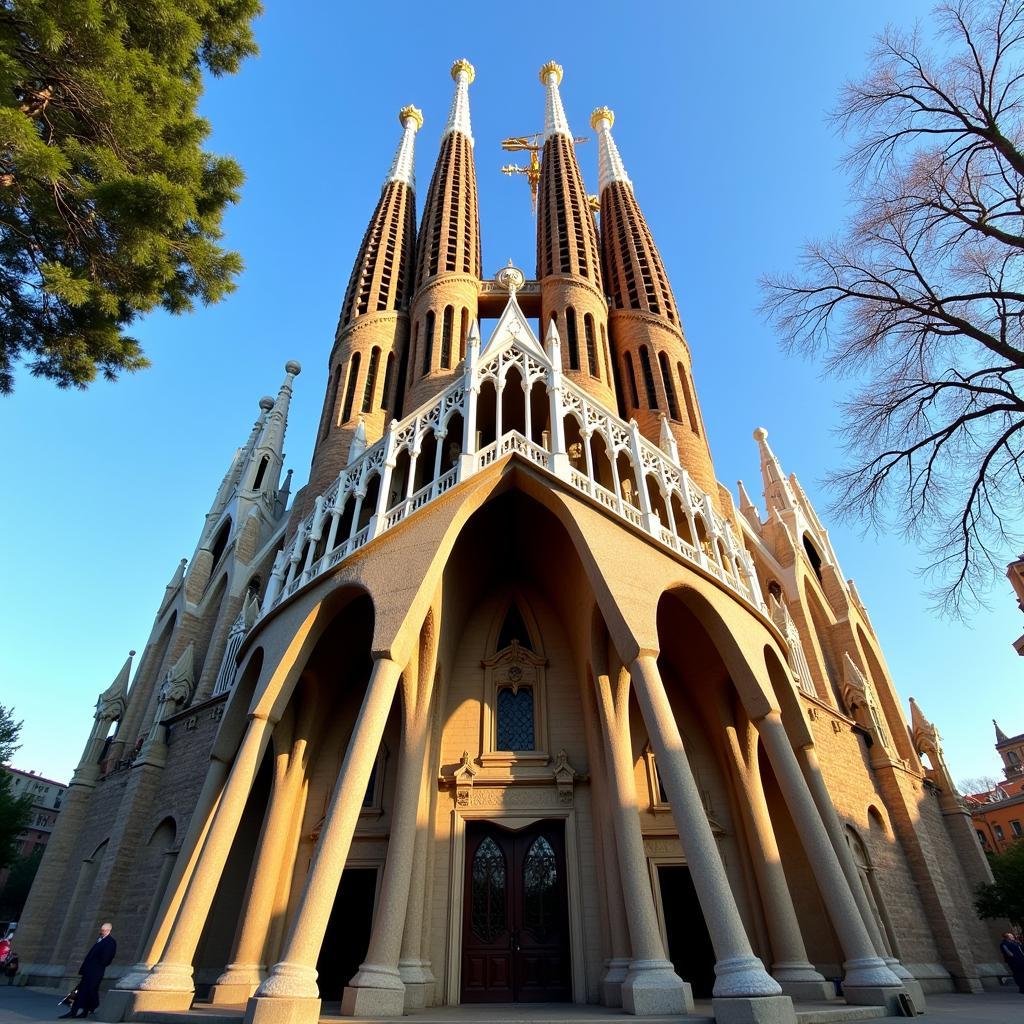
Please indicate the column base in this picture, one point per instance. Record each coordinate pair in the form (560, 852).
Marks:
(615, 973)
(282, 1010)
(909, 982)
(375, 991)
(233, 993)
(419, 983)
(134, 976)
(874, 995)
(799, 980)
(753, 1010)
(119, 1004)
(652, 988)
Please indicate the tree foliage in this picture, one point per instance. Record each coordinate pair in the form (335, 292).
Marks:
(1004, 898)
(15, 812)
(109, 206)
(922, 296)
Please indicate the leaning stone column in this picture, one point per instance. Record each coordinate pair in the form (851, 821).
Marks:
(790, 966)
(867, 979)
(169, 986)
(243, 975)
(744, 990)
(651, 986)
(377, 990)
(290, 992)
(808, 761)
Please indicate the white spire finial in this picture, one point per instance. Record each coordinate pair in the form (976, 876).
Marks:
(609, 164)
(402, 167)
(463, 74)
(555, 121)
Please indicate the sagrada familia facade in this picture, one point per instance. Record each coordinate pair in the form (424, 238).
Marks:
(514, 702)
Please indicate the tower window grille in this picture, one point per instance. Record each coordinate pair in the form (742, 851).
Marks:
(648, 372)
(350, 389)
(428, 343)
(331, 410)
(515, 719)
(588, 334)
(389, 377)
(691, 410)
(574, 345)
(371, 379)
(631, 377)
(605, 354)
(670, 390)
(446, 338)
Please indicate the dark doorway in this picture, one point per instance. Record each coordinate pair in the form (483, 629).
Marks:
(348, 932)
(515, 929)
(689, 944)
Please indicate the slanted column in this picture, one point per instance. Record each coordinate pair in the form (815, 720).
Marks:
(242, 976)
(290, 992)
(867, 979)
(741, 982)
(553, 348)
(808, 761)
(790, 966)
(641, 480)
(378, 522)
(168, 986)
(471, 383)
(651, 986)
(377, 990)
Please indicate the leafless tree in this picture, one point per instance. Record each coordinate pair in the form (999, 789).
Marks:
(978, 784)
(922, 297)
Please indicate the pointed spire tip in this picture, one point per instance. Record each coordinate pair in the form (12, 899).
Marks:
(293, 366)
(551, 68)
(409, 112)
(602, 114)
(463, 65)
(266, 403)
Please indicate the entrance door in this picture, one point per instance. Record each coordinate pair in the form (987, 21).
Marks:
(515, 924)
(689, 944)
(348, 932)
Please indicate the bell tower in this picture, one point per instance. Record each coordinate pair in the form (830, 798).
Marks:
(651, 353)
(568, 258)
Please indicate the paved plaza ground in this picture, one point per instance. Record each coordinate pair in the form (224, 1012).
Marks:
(25, 1005)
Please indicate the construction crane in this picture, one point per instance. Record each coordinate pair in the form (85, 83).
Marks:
(532, 144)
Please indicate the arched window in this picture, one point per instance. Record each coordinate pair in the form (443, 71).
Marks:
(588, 335)
(350, 389)
(513, 628)
(573, 341)
(670, 390)
(515, 718)
(691, 412)
(331, 410)
(607, 358)
(631, 378)
(261, 472)
(648, 372)
(489, 910)
(428, 343)
(371, 379)
(812, 556)
(389, 376)
(446, 338)
(221, 541)
(463, 332)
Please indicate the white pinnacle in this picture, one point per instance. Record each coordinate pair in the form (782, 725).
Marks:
(609, 164)
(458, 117)
(555, 121)
(402, 167)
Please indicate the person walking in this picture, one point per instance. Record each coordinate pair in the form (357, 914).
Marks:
(1013, 954)
(10, 966)
(96, 961)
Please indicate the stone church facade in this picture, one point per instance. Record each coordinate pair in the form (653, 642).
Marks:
(515, 703)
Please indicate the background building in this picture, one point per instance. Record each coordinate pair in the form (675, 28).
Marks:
(517, 702)
(998, 813)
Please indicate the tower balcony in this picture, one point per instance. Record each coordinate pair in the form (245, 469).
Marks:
(513, 401)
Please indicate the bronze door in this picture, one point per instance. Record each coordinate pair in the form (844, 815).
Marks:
(515, 929)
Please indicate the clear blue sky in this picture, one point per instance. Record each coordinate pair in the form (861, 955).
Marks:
(721, 120)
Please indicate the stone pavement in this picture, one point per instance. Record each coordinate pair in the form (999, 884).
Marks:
(1006, 1006)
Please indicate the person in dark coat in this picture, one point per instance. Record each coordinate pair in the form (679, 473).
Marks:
(1013, 954)
(96, 961)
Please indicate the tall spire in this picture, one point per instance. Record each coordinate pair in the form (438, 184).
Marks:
(609, 164)
(266, 462)
(652, 356)
(402, 167)
(373, 328)
(1001, 736)
(448, 257)
(777, 490)
(555, 121)
(568, 255)
(458, 117)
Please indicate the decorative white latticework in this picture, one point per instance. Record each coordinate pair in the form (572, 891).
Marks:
(530, 405)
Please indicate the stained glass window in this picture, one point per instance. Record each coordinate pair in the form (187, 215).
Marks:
(515, 719)
(489, 903)
(540, 888)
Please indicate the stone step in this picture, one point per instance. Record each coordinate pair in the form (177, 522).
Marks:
(833, 1013)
